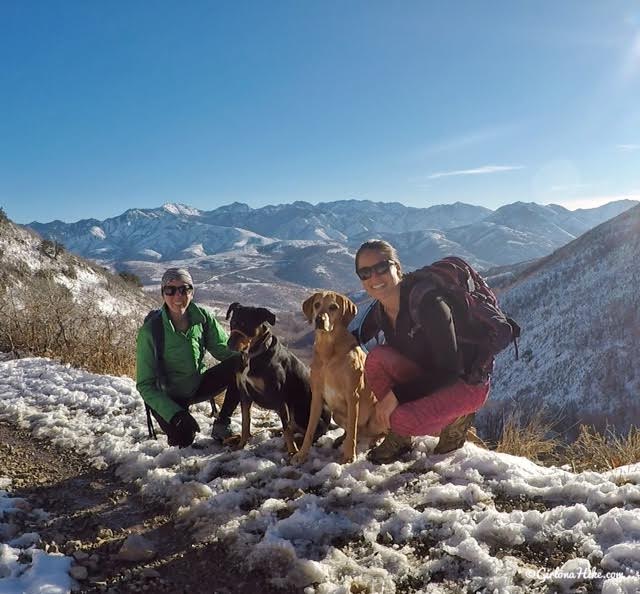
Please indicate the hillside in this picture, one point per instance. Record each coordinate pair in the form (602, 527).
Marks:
(25, 260)
(580, 313)
(58, 304)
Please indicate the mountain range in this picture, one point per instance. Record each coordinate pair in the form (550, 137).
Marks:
(275, 253)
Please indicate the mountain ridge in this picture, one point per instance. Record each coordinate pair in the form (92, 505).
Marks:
(276, 253)
(579, 308)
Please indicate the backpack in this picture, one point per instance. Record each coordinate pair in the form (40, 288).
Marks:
(157, 335)
(480, 323)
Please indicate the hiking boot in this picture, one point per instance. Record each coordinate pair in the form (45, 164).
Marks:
(221, 429)
(391, 448)
(474, 438)
(453, 436)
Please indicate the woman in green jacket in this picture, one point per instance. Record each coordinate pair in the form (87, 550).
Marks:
(176, 377)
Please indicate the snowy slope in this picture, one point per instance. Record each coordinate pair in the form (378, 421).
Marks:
(580, 313)
(470, 521)
(23, 264)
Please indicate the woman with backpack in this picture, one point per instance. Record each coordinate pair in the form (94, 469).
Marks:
(418, 370)
(170, 371)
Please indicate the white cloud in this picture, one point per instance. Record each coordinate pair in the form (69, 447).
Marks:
(477, 171)
(471, 138)
(628, 147)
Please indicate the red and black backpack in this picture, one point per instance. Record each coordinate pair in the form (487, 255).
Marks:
(479, 321)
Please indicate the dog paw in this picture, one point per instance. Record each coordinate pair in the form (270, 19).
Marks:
(292, 449)
(235, 442)
(299, 458)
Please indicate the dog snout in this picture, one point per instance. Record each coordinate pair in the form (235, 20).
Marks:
(237, 341)
(232, 343)
(322, 321)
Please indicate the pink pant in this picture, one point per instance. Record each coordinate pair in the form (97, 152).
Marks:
(385, 367)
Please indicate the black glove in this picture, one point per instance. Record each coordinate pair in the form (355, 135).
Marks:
(184, 429)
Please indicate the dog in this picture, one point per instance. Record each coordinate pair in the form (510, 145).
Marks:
(273, 377)
(337, 374)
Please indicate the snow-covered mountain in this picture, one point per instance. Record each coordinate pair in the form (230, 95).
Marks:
(580, 313)
(342, 219)
(525, 231)
(176, 231)
(160, 234)
(299, 245)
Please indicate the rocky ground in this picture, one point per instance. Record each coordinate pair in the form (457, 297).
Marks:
(120, 542)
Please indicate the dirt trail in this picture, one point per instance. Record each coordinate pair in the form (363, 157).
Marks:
(92, 513)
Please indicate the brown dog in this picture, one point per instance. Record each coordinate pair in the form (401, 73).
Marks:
(337, 374)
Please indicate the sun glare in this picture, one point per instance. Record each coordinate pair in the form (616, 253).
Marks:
(595, 201)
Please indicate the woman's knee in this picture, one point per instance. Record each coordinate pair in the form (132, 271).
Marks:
(387, 361)
(380, 358)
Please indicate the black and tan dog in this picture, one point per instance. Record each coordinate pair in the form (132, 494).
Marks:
(274, 378)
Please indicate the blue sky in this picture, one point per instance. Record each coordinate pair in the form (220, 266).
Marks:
(106, 106)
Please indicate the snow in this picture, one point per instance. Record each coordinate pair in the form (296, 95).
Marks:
(21, 249)
(88, 287)
(98, 232)
(149, 253)
(24, 568)
(180, 209)
(471, 519)
(195, 251)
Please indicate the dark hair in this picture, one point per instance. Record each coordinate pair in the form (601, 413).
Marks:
(382, 247)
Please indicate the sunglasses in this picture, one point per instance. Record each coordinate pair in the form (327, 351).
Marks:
(171, 291)
(381, 267)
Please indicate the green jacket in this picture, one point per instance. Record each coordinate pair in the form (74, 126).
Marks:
(181, 356)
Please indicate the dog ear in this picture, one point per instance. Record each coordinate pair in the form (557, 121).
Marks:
(307, 307)
(349, 310)
(267, 315)
(235, 305)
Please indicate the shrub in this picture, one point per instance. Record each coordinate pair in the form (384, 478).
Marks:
(593, 450)
(46, 322)
(130, 278)
(3, 216)
(534, 439)
(50, 248)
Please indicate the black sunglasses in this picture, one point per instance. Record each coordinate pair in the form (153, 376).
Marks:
(381, 267)
(171, 291)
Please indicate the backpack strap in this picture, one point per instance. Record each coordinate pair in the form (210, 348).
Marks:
(157, 334)
(204, 338)
(157, 340)
(515, 331)
(150, 428)
(419, 290)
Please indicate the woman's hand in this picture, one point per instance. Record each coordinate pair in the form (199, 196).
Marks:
(384, 408)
